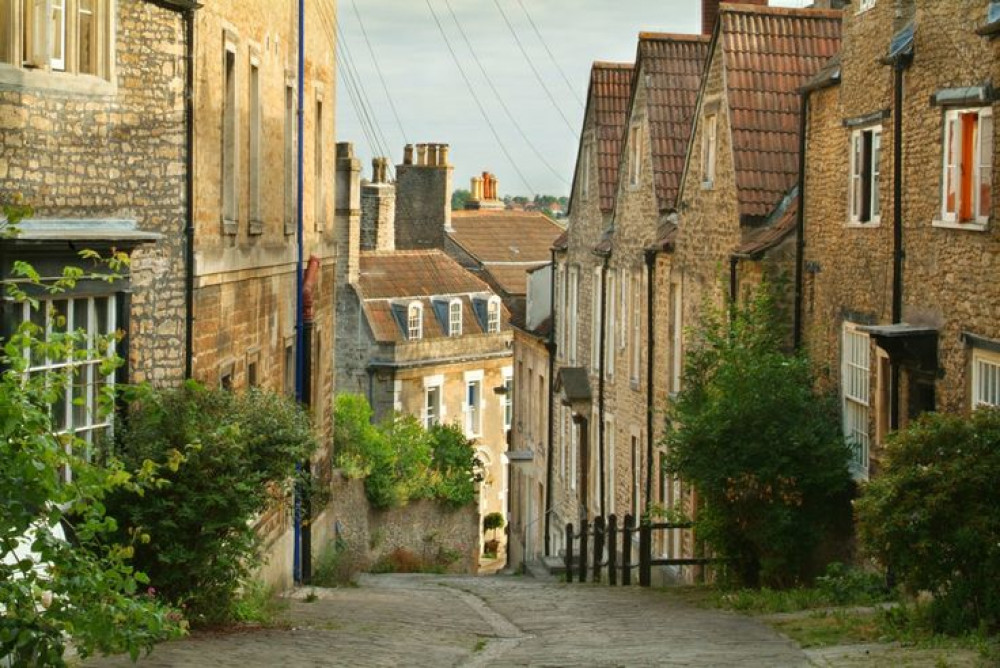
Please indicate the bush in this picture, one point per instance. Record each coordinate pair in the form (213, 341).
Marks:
(763, 452)
(933, 515)
(230, 457)
(401, 461)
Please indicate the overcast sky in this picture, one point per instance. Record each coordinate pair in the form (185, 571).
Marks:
(434, 105)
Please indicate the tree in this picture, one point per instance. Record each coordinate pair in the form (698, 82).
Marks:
(54, 589)
(933, 515)
(458, 199)
(762, 450)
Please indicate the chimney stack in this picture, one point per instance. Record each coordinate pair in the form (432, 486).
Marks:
(710, 12)
(378, 210)
(348, 213)
(485, 193)
(423, 198)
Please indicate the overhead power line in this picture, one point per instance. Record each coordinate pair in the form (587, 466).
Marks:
(545, 44)
(531, 64)
(503, 105)
(475, 97)
(378, 69)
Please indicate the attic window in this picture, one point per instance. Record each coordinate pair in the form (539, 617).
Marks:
(415, 321)
(493, 316)
(635, 155)
(709, 144)
(455, 318)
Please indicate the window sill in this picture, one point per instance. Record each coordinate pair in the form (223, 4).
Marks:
(256, 228)
(230, 227)
(634, 384)
(856, 224)
(967, 227)
(708, 185)
(61, 82)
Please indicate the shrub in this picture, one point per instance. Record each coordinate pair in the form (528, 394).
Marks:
(337, 566)
(231, 457)
(933, 515)
(763, 452)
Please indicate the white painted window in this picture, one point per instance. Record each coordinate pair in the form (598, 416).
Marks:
(636, 316)
(595, 321)
(77, 406)
(709, 149)
(855, 390)
(609, 332)
(865, 5)
(415, 321)
(473, 407)
(585, 158)
(433, 412)
(508, 397)
(573, 311)
(455, 317)
(57, 34)
(397, 395)
(635, 155)
(985, 378)
(866, 154)
(493, 315)
(967, 179)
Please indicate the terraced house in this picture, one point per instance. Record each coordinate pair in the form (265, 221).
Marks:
(898, 302)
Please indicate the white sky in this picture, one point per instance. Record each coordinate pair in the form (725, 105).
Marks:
(434, 104)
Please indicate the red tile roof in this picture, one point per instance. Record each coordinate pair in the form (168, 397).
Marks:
(610, 91)
(770, 53)
(673, 66)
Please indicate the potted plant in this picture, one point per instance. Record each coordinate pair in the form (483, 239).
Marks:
(492, 522)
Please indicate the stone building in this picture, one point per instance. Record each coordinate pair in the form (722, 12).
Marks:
(898, 304)
(418, 333)
(92, 135)
(575, 487)
(245, 245)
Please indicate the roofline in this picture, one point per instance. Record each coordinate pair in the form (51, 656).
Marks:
(806, 12)
(611, 65)
(672, 37)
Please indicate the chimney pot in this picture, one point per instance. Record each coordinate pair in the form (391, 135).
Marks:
(408, 154)
(422, 154)
(444, 154)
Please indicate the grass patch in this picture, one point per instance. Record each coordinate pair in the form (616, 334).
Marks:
(337, 566)
(480, 646)
(258, 605)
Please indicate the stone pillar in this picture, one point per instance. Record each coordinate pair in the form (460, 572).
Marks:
(348, 214)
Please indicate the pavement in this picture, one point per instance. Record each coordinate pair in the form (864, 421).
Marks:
(505, 620)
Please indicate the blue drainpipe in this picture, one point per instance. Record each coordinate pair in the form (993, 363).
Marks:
(299, 324)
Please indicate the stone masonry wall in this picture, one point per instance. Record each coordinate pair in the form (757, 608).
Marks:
(116, 152)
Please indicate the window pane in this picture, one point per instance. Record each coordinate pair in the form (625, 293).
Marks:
(969, 136)
(58, 322)
(5, 27)
(58, 34)
(986, 166)
(38, 316)
(87, 37)
(876, 175)
(951, 149)
(81, 379)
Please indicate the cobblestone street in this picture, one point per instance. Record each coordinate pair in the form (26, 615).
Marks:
(420, 620)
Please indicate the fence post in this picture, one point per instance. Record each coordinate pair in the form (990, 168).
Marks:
(627, 550)
(598, 547)
(584, 529)
(569, 552)
(645, 553)
(613, 550)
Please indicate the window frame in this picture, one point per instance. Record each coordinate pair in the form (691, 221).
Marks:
(865, 5)
(507, 402)
(595, 322)
(855, 392)
(455, 323)
(865, 174)
(255, 125)
(414, 326)
(493, 315)
(951, 170)
(709, 149)
(983, 358)
(472, 406)
(635, 155)
(229, 136)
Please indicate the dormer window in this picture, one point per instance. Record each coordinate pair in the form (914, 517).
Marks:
(455, 317)
(493, 316)
(415, 321)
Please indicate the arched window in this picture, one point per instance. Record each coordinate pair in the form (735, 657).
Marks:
(455, 317)
(415, 321)
(493, 316)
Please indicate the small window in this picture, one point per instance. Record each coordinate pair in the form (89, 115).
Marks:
(253, 161)
(229, 141)
(432, 406)
(290, 367)
(709, 149)
(985, 379)
(609, 332)
(415, 321)
(473, 407)
(967, 182)
(866, 154)
(865, 5)
(320, 183)
(585, 157)
(493, 316)
(635, 155)
(636, 315)
(289, 175)
(572, 305)
(252, 379)
(86, 36)
(57, 34)
(855, 390)
(595, 322)
(455, 318)
(508, 401)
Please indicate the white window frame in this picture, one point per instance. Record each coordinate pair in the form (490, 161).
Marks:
(865, 5)
(493, 315)
(595, 322)
(638, 285)
(230, 123)
(635, 155)
(951, 170)
(472, 405)
(573, 312)
(610, 330)
(856, 394)
(455, 317)
(985, 378)
(857, 184)
(414, 321)
(585, 158)
(432, 384)
(507, 400)
(709, 149)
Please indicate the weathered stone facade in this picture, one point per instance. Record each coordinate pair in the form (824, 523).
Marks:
(91, 149)
(948, 300)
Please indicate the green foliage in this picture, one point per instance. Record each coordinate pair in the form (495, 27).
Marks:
(401, 461)
(337, 566)
(933, 515)
(763, 451)
(838, 587)
(493, 522)
(228, 458)
(458, 199)
(257, 604)
(83, 588)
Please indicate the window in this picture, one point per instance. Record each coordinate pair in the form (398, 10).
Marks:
(229, 134)
(57, 35)
(677, 337)
(432, 406)
(609, 457)
(573, 311)
(595, 323)
(865, 5)
(493, 316)
(609, 331)
(80, 406)
(415, 321)
(585, 157)
(636, 474)
(967, 182)
(635, 155)
(320, 183)
(455, 318)
(985, 379)
(856, 385)
(623, 302)
(473, 407)
(290, 112)
(508, 398)
(574, 454)
(709, 148)
(866, 153)
(86, 36)
(636, 358)
(253, 160)
(290, 366)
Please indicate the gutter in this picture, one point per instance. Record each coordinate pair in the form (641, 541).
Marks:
(299, 279)
(550, 348)
(898, 252)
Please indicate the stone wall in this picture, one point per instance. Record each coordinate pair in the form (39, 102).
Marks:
(421, 527)
(423, 204)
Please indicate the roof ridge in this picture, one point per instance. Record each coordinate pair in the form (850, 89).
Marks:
(609, 65)
(673, 36)
(798, 12)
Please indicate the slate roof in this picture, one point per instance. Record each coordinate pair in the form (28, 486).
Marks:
(673, 66)
(769, 53)
(608, 96)
(506, 243)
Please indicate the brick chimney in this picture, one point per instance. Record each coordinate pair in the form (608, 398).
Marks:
(485, 193)
(710, 12)
(378, 209)
(423, 197)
